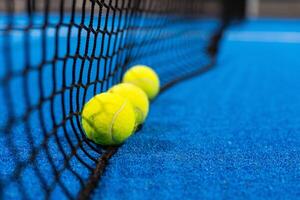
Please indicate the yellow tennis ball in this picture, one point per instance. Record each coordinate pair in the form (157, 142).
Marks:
(145, 78)
(108, 119)
(136, 96)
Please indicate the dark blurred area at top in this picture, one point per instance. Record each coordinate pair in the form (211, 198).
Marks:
(203, 7)
(231, 8)
(239, 9)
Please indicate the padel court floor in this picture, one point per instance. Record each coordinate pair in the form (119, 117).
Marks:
(232, 133)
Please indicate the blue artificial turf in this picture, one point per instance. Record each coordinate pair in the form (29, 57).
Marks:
(233, 133)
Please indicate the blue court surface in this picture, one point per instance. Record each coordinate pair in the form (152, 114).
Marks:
(233, 133)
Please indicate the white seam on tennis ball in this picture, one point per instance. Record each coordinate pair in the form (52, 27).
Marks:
(114, 119)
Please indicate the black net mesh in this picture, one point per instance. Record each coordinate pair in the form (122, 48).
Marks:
(57, 54)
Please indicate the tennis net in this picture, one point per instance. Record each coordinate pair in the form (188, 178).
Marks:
(57, 54)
